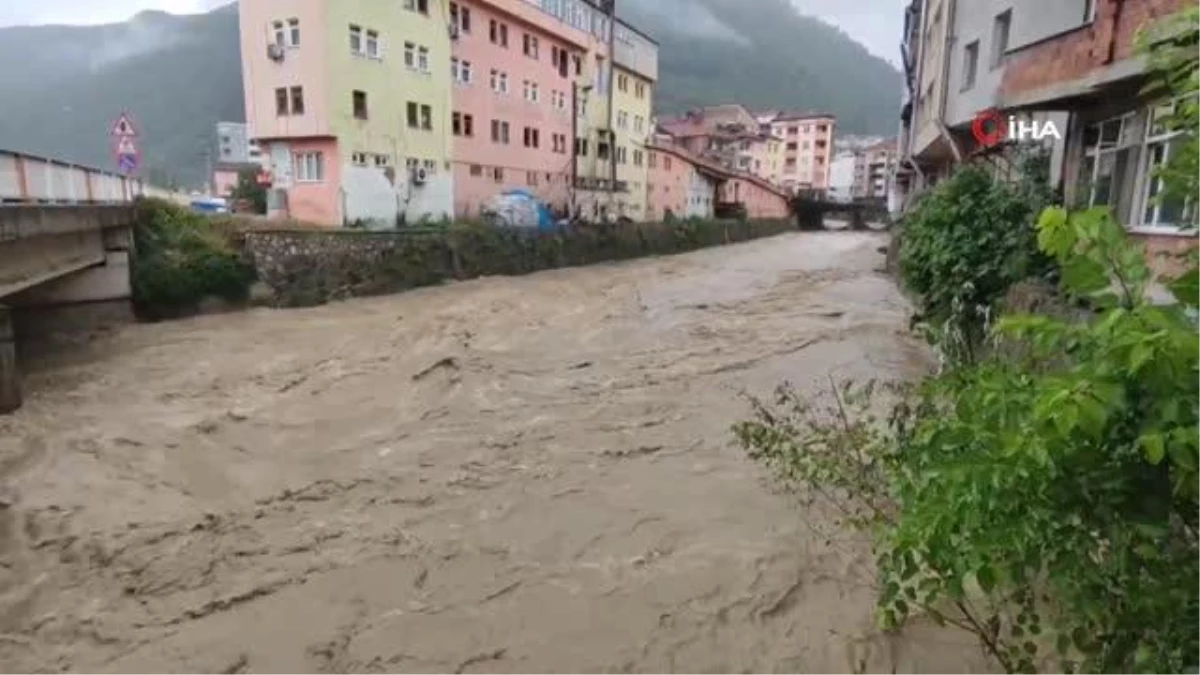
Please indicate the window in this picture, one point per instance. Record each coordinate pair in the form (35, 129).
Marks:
(1000, 31)
(622, 155)
(498, 33)
(293, 32)
(581, 147)
(430, 165)
(578, 64)
(410, 55)
(531, 178)
(281, 101)
(383, 160)
(500, 132)
(652, 160)
(462, 124)
(639, 90)
(637, 157)
(358, 158)
(499, 82)
(460, 71)
(622, 119)
(359, 99)
(792, 131)
(421, 6)
(1159, 209)
(356, 40)
(602, 151)
(297, 100)
(420, 116)
(310, 167)
(531, 91)
(476, 170)
(498, 174)
(623, 82)
(532, 137)
(460, 17)
(280, 36)
(970, 64)
(373, 44)
(1108, 165)
(559, 142)
(667, 163)
(639, 123)
(423, 59)
(531, 46)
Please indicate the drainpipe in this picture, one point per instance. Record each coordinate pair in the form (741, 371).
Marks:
(612, 100)
(947, 44)
(1116, 24)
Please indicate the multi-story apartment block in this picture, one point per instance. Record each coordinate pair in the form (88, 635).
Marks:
(515, 71)
(873, 168)
(351, 105)
(411, 109)
(1067, 62)
(807, 148)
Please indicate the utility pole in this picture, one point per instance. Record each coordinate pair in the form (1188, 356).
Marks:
(612, 88)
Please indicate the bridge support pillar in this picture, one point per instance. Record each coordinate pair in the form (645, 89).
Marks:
(10, 375)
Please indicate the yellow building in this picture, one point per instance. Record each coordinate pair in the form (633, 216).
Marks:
(632, 105)
(614, 125)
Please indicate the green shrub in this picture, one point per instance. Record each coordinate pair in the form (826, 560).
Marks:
(963, 245)
(181, 258)
(1048, 501)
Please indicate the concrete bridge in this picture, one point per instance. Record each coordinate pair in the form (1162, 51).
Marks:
(65, 242)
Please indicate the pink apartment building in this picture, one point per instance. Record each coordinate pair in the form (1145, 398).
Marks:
(513, 69)
(808, 147)
(667, 187)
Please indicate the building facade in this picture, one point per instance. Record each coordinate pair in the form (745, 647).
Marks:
(1069, 63)
(349, 103)
(807, 148)
(873, 168)
(405, 111)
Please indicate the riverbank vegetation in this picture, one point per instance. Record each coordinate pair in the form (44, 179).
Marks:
(1041, 489)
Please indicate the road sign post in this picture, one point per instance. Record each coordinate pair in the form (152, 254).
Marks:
(125, 150)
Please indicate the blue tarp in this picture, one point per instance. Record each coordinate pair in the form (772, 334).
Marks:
(521, 208)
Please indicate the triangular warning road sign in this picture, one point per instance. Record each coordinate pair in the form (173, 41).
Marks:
(124, 127)
(126, 146)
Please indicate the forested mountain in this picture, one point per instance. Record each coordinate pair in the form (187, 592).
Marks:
(179, 75)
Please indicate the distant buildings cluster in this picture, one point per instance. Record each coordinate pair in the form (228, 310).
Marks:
(409, 110)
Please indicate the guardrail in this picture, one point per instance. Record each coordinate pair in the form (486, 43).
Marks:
(27, 178)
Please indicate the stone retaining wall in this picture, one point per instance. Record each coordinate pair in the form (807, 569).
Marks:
(307, 267)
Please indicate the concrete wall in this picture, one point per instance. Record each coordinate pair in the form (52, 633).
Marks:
(841, 177)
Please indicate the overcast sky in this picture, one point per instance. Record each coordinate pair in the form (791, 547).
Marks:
(875, 23)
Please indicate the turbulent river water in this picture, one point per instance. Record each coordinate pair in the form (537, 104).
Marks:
(509, 474)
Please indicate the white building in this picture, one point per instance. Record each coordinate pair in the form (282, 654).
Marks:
(841, 177)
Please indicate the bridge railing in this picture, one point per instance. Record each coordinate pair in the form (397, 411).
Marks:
(29, 178)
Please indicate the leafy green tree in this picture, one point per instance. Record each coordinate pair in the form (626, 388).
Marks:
(249, 189)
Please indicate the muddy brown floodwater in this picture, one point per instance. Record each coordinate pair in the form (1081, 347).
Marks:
(510, 474)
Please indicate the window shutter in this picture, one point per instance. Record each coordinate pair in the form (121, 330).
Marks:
(381, 46)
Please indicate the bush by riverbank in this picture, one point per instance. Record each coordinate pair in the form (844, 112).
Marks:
(182, 258)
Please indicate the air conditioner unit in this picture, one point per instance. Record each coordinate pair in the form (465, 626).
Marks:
(275, 51)
(420, 175)
(454, 31)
